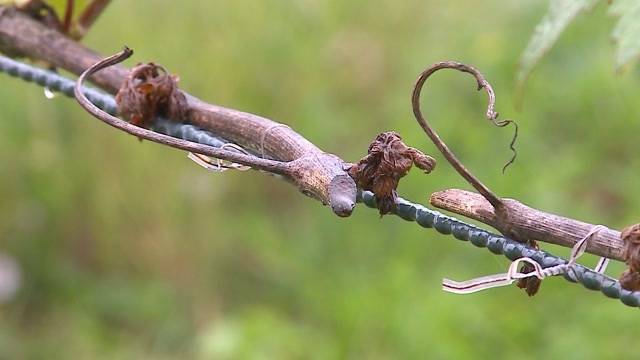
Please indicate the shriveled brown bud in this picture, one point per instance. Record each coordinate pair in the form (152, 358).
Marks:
(531, 284)
(149, 92)
(630, 236)
(630, 280)
(422, 161)
(388, 160)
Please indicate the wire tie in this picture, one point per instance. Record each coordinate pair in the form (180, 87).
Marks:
(512, 274)
(266, 131)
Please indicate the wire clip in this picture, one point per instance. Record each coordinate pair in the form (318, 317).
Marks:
(492, 281)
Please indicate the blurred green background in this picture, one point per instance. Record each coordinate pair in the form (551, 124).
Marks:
(129, 250)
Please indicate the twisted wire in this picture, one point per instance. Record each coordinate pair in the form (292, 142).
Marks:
(513, 250)
(406, 210)
(56, 82)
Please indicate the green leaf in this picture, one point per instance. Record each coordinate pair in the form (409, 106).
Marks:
(560, 14)
(626, 33)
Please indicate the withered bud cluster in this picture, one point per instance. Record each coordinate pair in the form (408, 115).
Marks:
(148, 92)
(630, 279)
(531, 284)
(388, 160)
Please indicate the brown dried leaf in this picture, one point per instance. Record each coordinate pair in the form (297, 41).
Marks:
(388, 160)
(149, 92)
(422, 161)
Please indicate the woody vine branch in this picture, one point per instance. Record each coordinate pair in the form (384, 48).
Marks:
(316, 173)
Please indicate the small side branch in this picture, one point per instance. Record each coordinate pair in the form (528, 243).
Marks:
(90, 15)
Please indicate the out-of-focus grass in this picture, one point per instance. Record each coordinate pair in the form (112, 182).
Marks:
(129, 250)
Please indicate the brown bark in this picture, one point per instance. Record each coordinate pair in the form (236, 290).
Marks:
(316, 173)
(530, 223)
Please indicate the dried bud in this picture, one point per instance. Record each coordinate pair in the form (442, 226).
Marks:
(630, 280)
(422, 161)
(388, 160)
(149, 92)
(630, 236)
(531, 284)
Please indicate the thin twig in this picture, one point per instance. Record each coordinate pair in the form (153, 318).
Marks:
(89, 16)
(68, 16)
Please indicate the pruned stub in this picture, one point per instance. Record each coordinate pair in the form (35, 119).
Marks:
(321, 176)
(149, 92)
(387, 161)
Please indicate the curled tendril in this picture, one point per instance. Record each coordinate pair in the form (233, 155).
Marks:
(228, 155)
(491, 115)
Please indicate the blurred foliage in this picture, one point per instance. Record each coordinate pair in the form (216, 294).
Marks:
(561, 13)
(627, 30)
(59, 6)
(66, 15)
(128, 250)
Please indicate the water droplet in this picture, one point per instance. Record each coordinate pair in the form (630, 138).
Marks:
(49, 94)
